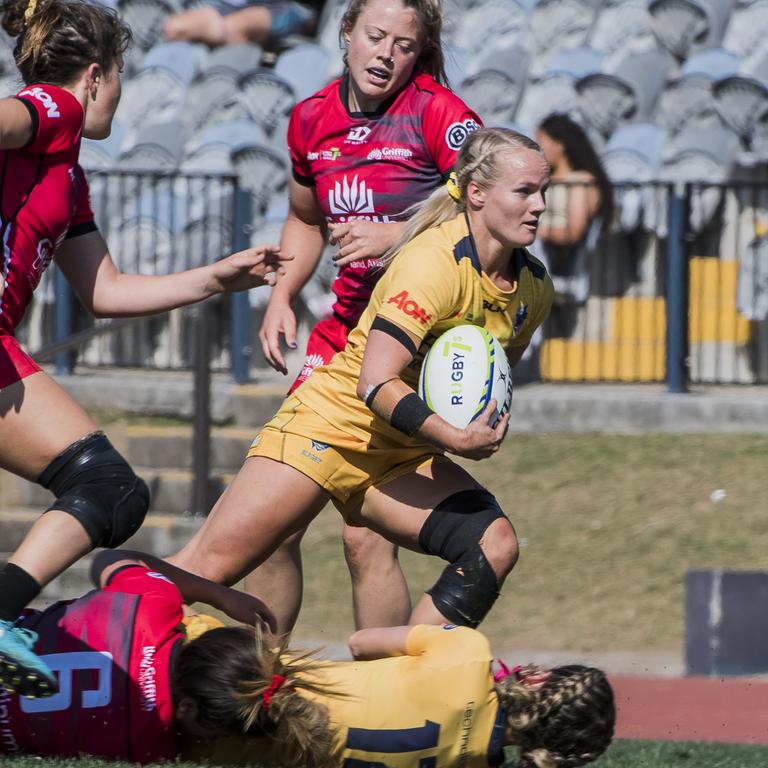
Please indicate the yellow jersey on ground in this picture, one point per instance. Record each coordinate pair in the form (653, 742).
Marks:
(434, 708)
(433, 284)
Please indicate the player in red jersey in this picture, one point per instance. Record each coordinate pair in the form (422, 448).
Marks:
(69, 55)
(364, 149)
(127, 682)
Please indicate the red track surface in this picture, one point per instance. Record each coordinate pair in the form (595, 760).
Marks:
(692, 709)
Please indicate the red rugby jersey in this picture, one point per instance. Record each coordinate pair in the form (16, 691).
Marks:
(112, 650)
(43, 196)
(374, 166)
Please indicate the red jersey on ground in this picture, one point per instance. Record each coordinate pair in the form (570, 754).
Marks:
(113, 650)
(43, 196)
(374, 166)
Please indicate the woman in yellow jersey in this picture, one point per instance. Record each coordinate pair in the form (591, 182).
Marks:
(357, 433)
(430, 699)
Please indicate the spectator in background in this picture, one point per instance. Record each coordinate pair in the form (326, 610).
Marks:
(579, 204)
(244, 21)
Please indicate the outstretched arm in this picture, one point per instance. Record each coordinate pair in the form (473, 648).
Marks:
(107, 292)
(239, 606)
(15, 124)
(379, 643)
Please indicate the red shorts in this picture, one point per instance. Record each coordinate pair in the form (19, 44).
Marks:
(328, 337)
(15, 363)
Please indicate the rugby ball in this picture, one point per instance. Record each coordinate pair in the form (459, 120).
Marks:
(462, 372)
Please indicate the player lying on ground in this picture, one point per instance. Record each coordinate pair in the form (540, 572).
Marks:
(127, 682)
(356, 432)
(430, 699)
(69, 54)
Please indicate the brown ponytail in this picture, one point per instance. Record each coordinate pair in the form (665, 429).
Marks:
(227, 672)
(565, 723)
(57, 39)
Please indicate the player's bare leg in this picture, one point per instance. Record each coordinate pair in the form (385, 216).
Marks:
(399, 509)
(38, 420)
(200, 25)
(279, 581)
(265, 504)
(380, 595)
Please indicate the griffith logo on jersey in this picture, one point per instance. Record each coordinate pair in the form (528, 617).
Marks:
(457, 133)
(358, 135)
(355, 198)
(385, 153)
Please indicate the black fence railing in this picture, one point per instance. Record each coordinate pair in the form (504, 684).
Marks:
(675, 290)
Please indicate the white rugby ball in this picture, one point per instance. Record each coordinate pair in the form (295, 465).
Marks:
(463, 371)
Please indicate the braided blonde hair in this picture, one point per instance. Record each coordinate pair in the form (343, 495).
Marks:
(565, 723)
(476, 162)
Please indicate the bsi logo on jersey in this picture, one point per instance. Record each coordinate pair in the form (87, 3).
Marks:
(358, 135)
(457, 133)
(51, 107)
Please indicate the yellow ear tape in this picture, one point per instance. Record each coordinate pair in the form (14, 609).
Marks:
(30, 12)
(452, 186)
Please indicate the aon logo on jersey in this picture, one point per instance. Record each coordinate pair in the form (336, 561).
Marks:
(51, 107)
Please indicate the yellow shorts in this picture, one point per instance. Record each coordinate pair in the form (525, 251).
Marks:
(341, 463)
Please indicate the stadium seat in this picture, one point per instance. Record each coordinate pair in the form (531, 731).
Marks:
(488, 25)
(629, 90)
(623, 25)
(266, 97)
(262, 170)
(209, 98)
(689, 95)
(685, 26)
(748, 28)
(555, 91)
(633, 156)
(495, 90)
(304, 68)
(558, 25)
(703, 153)
(103, 154)
(158, 147)
(743, 96)
(182, 60)
(146, 19)
(211, 150)
(235, 59)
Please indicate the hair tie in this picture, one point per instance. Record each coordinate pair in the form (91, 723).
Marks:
(452, 185)
(277, 682)
(505, 671)
(30, 12)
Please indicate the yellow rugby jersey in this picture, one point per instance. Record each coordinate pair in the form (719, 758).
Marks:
(433, 284)
(434, 708)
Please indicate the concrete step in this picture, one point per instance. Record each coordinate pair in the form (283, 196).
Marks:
(160, 535)
(171, 490)
(171, 447)
(253, 405)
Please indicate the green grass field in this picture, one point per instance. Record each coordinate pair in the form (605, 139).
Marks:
(608, 525)
(622, 754)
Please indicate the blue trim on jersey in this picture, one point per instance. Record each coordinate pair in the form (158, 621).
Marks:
(465, 249)
(496, 744)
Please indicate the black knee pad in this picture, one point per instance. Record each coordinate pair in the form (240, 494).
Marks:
(95, 484)
(468, 587)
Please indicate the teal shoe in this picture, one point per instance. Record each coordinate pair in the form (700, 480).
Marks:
(22, 671)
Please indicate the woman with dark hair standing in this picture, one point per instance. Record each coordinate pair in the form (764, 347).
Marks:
(579, 205)
(364, 149)
(69, 54)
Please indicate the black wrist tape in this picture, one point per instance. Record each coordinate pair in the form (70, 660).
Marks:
(409, 414)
